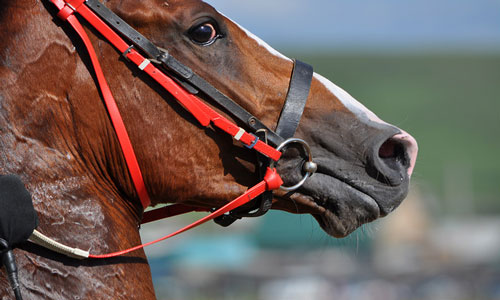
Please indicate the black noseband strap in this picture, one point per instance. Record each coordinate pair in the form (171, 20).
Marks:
(298, 91)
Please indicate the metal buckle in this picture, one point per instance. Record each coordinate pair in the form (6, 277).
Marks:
(265, 134)
(126, 52)
(310, 167)
(253, 143)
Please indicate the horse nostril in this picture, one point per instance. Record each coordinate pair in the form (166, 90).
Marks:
(388, 149)
(395, 159)
(393, 153)
(390, 162)
(409, 148)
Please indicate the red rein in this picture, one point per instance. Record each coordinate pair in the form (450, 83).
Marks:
(203, 113)
(271, 181)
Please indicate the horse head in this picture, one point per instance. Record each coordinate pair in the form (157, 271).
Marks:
(56, 133)
(365, 164)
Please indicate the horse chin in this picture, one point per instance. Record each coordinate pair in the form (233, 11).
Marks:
(338, 207)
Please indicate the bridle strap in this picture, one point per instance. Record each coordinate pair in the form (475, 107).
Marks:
(185, 75)
(296, 98)
(124, 29)
(271, 181)
(66, 13)
(297, 95)
(298, 92)
(185, 95)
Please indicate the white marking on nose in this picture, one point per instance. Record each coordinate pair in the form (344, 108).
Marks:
(365, 114)
(348, 101)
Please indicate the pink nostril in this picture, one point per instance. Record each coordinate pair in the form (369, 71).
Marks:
(411, 148)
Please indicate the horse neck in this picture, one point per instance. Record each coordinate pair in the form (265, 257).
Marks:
(55, 134)
(75, 206)
(55, 129)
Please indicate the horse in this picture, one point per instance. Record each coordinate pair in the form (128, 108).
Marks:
(56, 134)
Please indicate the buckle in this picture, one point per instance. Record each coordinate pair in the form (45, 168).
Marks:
(253, 143)
(126, 52)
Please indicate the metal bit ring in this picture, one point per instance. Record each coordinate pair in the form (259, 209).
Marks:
(309, 166)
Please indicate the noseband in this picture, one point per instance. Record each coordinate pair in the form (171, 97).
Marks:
(185, 85)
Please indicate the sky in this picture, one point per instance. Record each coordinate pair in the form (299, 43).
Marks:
(407, 24)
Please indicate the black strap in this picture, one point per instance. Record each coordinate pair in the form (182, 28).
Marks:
(186, 74)
(126, 30)
(257, 207)
(298, 91)
(294, 104)
(182, 73)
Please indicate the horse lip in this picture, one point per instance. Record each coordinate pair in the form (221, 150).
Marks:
(335, 226)
(339, 204)
(370, 197)
(330, 218)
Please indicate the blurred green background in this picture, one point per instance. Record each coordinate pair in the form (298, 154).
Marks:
(429, 67)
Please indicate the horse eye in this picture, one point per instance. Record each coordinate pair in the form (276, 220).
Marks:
(203, 34)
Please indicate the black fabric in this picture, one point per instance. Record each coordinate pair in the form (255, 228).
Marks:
(18, 218)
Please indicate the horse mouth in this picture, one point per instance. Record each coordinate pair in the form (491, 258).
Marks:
(339, 207)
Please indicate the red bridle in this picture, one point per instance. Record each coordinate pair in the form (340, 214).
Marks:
(202, 112)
